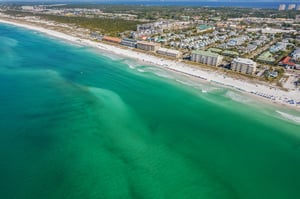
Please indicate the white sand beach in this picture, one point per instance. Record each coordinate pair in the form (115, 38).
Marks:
(273, 94)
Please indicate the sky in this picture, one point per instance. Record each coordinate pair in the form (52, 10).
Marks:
(282, 1)
(166, 0)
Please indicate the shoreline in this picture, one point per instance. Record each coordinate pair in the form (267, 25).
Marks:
(258, 91)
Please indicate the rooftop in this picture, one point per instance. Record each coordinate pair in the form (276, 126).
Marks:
(215, 50)
(169, 50)
(229, 52)
(243, 60)
(128, 39)
(204, 27)
(296, 51)
(205, 53)
(266, 56)
(148, 43)
(288, 61)
(115, 39)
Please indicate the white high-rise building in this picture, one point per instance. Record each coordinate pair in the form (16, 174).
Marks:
(292, 6)
(27, 8)
(282, 7)
(246, 66)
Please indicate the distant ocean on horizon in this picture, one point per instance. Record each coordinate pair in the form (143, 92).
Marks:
(244, 4)
(247, 4)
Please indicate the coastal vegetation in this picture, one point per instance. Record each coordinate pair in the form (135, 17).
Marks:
(104, 25)
(176, 12)
(107, 26)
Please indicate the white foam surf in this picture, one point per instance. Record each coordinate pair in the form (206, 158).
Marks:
(236, 97)
(289, 116)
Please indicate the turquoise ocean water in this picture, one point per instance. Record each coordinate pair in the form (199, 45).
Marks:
(76, 124)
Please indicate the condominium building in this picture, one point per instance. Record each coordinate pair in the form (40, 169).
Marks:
(282, 7)
(129, 42)
(292, 6)
(275, 30)
(148, 46)
(206, 57)
(246, 66)
(297, 18)
(169, 52)
(27, 8)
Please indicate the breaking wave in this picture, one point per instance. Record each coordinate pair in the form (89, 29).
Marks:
(236, 97)
(289, 117)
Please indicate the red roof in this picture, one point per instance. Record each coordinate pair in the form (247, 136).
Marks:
(112, 39)
(287, 61)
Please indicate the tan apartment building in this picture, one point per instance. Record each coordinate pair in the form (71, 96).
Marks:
(148, 46)
(206, 57)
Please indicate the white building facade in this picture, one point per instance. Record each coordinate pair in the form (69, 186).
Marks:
(169, 52)
(245, 66)
(206, 57)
